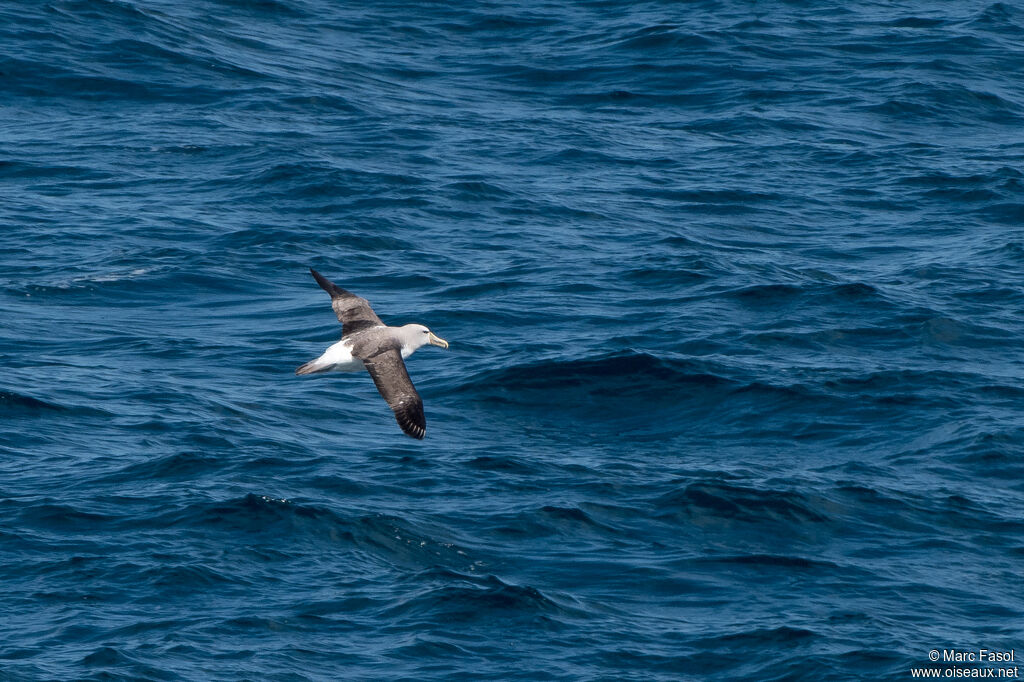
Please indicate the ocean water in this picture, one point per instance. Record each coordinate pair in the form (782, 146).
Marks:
(734, 296)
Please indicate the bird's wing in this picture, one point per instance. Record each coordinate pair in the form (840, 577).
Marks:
(393, 382)
(353, 312)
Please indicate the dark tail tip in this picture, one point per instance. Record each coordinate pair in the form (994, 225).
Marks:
(325, 284)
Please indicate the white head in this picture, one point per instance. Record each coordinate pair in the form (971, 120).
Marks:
(416, 335)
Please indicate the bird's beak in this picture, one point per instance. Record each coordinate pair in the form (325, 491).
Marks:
(436, 340)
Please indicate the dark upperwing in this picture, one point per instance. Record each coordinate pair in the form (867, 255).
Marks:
(393, 382)
(354, 313)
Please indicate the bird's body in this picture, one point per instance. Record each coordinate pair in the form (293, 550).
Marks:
(341, 357)
(337, 358)
(368, 344)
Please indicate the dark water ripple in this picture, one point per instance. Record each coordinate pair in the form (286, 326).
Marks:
(734, 298)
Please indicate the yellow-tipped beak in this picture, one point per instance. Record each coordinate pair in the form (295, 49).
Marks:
(436, 340)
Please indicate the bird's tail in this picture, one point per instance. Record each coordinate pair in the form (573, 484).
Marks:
(313, 366)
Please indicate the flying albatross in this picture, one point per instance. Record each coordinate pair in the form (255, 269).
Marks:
(367, 343)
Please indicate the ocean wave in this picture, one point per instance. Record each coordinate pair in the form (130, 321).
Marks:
(502, 463)
(549, 520)
(22, 170)
(472, 599)
(62, 517)
(262, 515)
(11, 402)
(388, 538)
(605, 375)
(946, 104)
(775, 294)
(272, 8)
(702, 501)
(783, 636)
(178, 466)
(769, 562)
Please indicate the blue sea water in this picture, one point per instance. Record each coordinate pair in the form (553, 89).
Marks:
(734, 296)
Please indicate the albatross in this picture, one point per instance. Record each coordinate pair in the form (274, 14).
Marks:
(367, 343)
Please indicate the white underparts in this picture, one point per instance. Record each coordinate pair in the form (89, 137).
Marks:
(338, 358)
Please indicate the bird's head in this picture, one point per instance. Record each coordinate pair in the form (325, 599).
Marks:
(421, 336)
